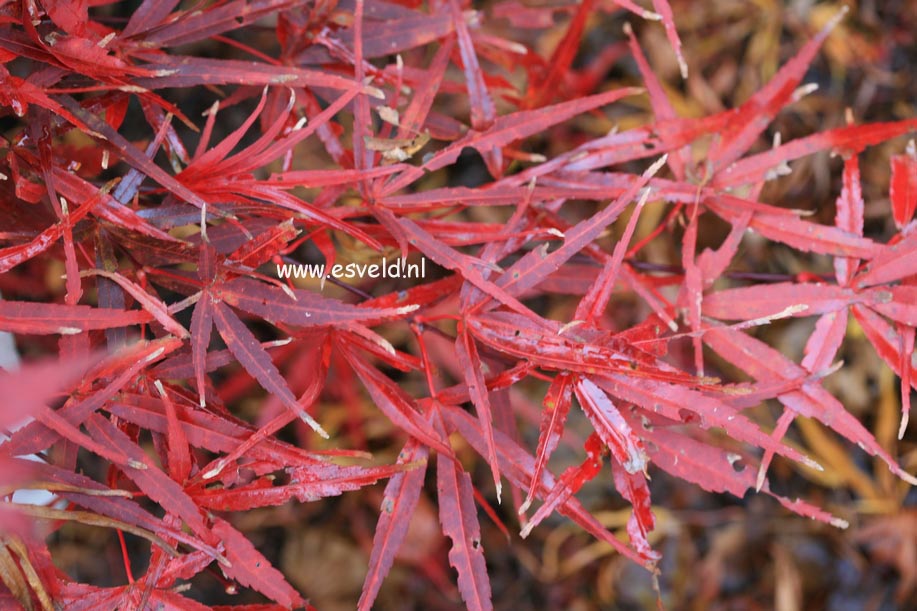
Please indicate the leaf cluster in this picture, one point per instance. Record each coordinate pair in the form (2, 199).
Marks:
(331, 132)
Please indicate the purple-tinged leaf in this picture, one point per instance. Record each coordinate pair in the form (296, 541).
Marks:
(634, 488)
(201, 329)
(307, 484)
(156, 484)
(778, 300)
(466, 351)
(763, 362)
(150, 303)
(397, 405)
(557, 402)
(517, 465)
(250, 568)
(52, 318)
(256, 361)
(612, 428)
(459, 520)
(179, 454)
(398, 503)
(538, 263)
(509, 128)
(299, 307)
(664, 10)
(569, 483)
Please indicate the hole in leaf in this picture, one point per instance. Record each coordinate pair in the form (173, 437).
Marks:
(736, 461)
(687, 416)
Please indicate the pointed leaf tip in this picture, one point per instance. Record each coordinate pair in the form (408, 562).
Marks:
(657, 165)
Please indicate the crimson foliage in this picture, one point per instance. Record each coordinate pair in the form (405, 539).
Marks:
(166, 226)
